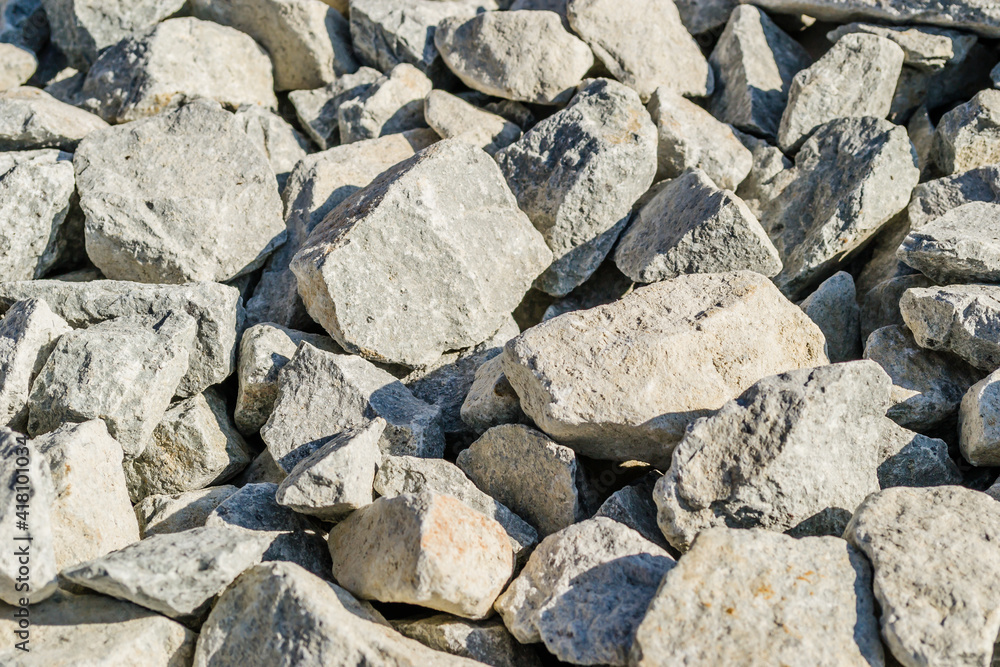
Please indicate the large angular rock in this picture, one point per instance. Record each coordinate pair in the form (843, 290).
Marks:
(452, 117)
(962, 319)
(834, 309)
(488, 642)
(979, 423)
(910, 459)
(740, 593)
(691, 226)
(491, 400)
(393, 103)
(178, 60)
(426, 549)
(937, 574)
(643, 44)
(961, 246)
(770, 460)
(282, 143)
(138, 229)
(850, 178)
(577, 173)
(966, 136)
(215, 308)
(459, 262)
(317, 109)
(180, 511)
(309, 44)
(853, 79)
(31, 118)
(754, 62)
(934, 198)
(584, 591)
(525, 56)
(700, 340)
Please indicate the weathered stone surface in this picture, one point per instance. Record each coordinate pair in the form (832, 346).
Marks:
(529, 473)
(853, 79)
(705, 16)
(343, 270)
(17, 64)
(317, 109)
(488, 642)
(606, 285)
(963, 245)
(176, 574)
(741, 593)
(178, 60)
(426, 549)
(689, 137)
(927, 386)
(979, 423)
(31, 118)
(692, 226)
(491, 400)
(921, 131)
(850, 178)
(321, 394)
(577, 173)
(923, 48)
(934, 198)
(407, 474)
(584, 591)
(138, 229)
(331, 627)
(770, 174)
(956, 82)
(174, 513)
(936, 573)
(453, 117)
(309, 44)
(633, 506)
(282, 143)
(643, 44)
(911, 459)
(770, 460)
(834, 309)
(28, 332)
(754, 62)
(393, 103)
(123, 371)
(36, 188)
(215, 308)
(880, 305)
(700, 340)
(962, 319)
(525, 56)
(967, 136)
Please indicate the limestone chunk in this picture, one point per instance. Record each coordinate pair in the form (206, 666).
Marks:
(923, 48)
(31, 118)
(911, 459)
(491, 400)
(282, 143)
(180, 511)
(962, 319)
(967, 136)
(451, 117)
(317, 109)
(978, 422)
(488, 642)
(961, 246)
(17, 65)
(393, 103)
(834, 309)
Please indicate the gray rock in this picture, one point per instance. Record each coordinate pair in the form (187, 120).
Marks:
(966, 136)
(700, 340)
(692, 226)
(159, 514)
(770, 174)
(215, 308)
(769, 460)
(934, 198)
(911, 459)
(883, 265)
(644, 44)
(525, 56)
(880, 305)
(854, 79)
(138, 229)
(488, 642)
(690, 138)
(956, 82)
(605, 286)
(28, 332)
(927, 386)
(962, 319)
(426, 549)
(491, 400)
(936, 572)
(584, 591)
(834, 309)
(309, 44)
(123, 371)
(961, 246)
(321, 394)
(23, 22)
(850, 178)
(176, 574)
(317, 109)
(529, 473)
(393, 103)
(460, 261)
(754, 62)
(921, 131)
(177, 61)
(995, 76)
(740, 593)
(282, 143)
(978, 423)
(923, 48)
(633, 506)
(453, 117)
(577, 173)
(31, 118)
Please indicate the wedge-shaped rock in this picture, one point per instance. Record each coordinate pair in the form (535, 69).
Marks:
(923, 48)
(962, 319)
(934, 198)
(488, 642)
(577, 173)
(741, 593)
(453, 117)
(31, 118)
(769, 459)
(317, 109)
(309, 44)
(850, 178)
(961, 246)
(834, 309)
(138, 229)
(180, 511)
(584, 591)
(426, 549)
(691, 226)
(283, 144)
(321, 394)
(393, 103)
(331, 627)
(979, 422)
(633, 506)
(911, 459)
(754, 62)
(880, 306)
(215, 308)
(966, 136)
(643, 44)
(525, 56)
(855, 78)
(700, 340)
(491, 400)
(937, 574)
(123, 371)
(402, 283)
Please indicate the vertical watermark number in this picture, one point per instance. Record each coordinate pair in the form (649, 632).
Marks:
(22, 541)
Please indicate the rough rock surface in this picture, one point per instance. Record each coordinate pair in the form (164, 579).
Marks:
(17, 64)
(961, 246)
(923, 48)
(967, 136)
(488, 642)
(452, 117)
(393, 103)
(911, 459)
(834, 309)
(31, 118)
(180, 511)
(934, 198)
(633, 506)
(979, 422)
(283, 144)
(317, 109)
(491, 400)
(962, 319)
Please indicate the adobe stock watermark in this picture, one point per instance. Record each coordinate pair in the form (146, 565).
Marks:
(21, 547)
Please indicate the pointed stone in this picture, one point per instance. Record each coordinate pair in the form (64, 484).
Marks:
(911, 459)
(491, 400)
(961, 246)
(966, 135)
(834, 309)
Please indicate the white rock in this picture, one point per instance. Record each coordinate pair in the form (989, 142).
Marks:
(28, 332)
(282, 143)
(978, 422)
(17, 64)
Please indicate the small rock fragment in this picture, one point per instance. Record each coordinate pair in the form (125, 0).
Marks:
(17, 64)
(911, 459)
(393, 103)
(633, 506)
(452, 117)
(979, 422)
(31, 118)
(962, 319)
(961, 246)
(834, 309)
(770, 174)
(488, 642)
(967, 136)
(317, 109)
(178, 512)
(934, 198)
(491, 400)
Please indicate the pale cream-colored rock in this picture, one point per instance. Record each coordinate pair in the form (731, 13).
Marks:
(17, 64)
(453, 117)
(31, 118)
(488, 642)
